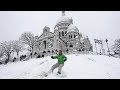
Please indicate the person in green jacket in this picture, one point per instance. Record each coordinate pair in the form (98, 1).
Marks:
(61, 59)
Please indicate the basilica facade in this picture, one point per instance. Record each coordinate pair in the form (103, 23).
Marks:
(66, 36)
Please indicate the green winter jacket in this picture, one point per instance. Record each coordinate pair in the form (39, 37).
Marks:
(60, 58)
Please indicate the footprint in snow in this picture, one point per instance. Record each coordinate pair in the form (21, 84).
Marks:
(92, 59)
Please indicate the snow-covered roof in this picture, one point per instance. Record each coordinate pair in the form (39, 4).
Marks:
(64, 19)
(72, 28)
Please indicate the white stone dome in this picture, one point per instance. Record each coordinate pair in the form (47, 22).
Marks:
(64, 19)
(82, 40)
(72, 28)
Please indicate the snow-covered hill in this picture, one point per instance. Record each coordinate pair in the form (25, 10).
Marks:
(77, 67)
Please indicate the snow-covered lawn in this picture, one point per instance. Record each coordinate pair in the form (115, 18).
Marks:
(76, 67)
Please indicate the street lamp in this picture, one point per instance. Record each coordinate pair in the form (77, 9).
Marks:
(95, 45)
(107, 46)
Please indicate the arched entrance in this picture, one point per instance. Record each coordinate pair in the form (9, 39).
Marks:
(44, 44)
(71, 46)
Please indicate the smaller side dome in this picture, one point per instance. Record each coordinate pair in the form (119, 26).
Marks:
(72, 28)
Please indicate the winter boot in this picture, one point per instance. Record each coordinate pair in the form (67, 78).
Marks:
(58, 73)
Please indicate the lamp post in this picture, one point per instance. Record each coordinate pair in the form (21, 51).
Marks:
(101, 50)
(107, 46)
(95, 45)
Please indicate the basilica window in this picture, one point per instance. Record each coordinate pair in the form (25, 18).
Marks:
(62, 33)
(65, 32)
(74, 36)
(45, 30)
(44, 44)
(69, 36)
(59, 34)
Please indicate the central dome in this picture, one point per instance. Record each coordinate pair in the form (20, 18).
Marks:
(64, 19)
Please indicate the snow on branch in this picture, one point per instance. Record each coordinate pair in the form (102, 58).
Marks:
(29, 39)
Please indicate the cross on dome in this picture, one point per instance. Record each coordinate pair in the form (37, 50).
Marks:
(63, 13)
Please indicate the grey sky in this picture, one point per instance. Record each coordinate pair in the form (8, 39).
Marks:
(94, 24)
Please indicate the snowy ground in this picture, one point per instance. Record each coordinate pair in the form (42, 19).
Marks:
(77, 67)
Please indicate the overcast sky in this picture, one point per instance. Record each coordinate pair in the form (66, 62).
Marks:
(94, 24)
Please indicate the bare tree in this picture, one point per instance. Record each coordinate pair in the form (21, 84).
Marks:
(116, 46)
(29, 39)
(1, 52)
(17, 46)
(6, 47)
